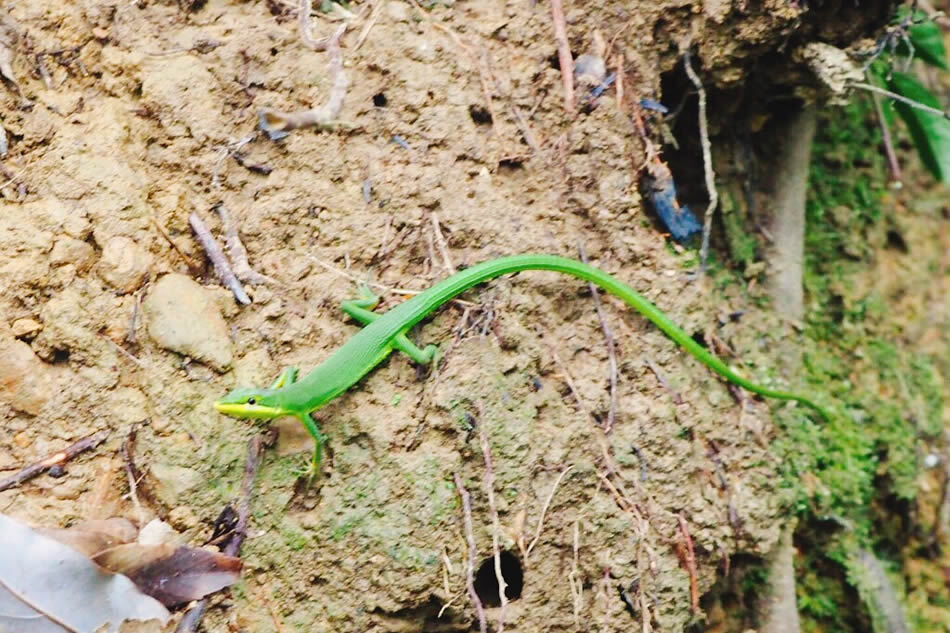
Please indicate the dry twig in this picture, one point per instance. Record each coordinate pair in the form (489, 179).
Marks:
(886, 139)
(237, 252)
(131, 470)
(707, 159)
(472, 553)
(306, 29)
(688, 558)
(56, 459)
(564, 54)
(192, 618)
(373, 16)
(221, 266)
(279, 124)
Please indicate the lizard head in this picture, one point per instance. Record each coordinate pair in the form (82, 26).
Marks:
(258, 404)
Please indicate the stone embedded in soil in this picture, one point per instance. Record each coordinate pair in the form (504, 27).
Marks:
(26, 382)
(124, 264)
(68, 250)
(184, 317)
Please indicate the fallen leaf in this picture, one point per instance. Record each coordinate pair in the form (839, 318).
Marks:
(49, 587)
(172, 575)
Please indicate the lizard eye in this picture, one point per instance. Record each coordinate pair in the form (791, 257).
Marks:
(251, 401)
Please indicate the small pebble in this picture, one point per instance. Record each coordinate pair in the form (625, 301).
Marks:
(22, 439)
(182, 518)
(26, 328)
(156, 532)
(124, 264)
(931, 460)
(67, 250)
(26, 382)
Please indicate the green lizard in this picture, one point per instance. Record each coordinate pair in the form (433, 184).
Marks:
(288, 396)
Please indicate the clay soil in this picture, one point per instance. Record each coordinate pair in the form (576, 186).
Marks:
(453, 147)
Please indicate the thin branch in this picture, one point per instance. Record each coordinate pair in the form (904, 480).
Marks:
(893, 95)
(496, 524)
(221, 266)
(278, 124)
(611, 348)
(189, 623)
(564, 54)
(357, 280)
(707, 159)
(373, 17)
(56, 459)
(886, 139)
(688, 557)
(470, 567)
(237, 252)
(131, 471)
(306, 29)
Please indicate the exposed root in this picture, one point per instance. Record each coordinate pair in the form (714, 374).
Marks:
(496, 524)
(707, 160)
(472, 553)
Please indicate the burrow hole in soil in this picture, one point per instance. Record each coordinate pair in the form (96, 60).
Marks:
(486, 581)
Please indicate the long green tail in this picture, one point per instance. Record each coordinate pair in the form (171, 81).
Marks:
(414, 310)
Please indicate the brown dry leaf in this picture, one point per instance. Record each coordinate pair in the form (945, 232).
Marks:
(172, 575)
(169, 573)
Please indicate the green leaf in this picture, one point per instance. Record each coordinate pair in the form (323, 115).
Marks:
(928, 44)
(930, 132)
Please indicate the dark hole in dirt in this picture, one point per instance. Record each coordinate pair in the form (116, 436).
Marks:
(479, 114)
(60, 356)
(486, 582)
(510, 163)
(273, 51)
(896, 241)
(700, 337)
(380, 100)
